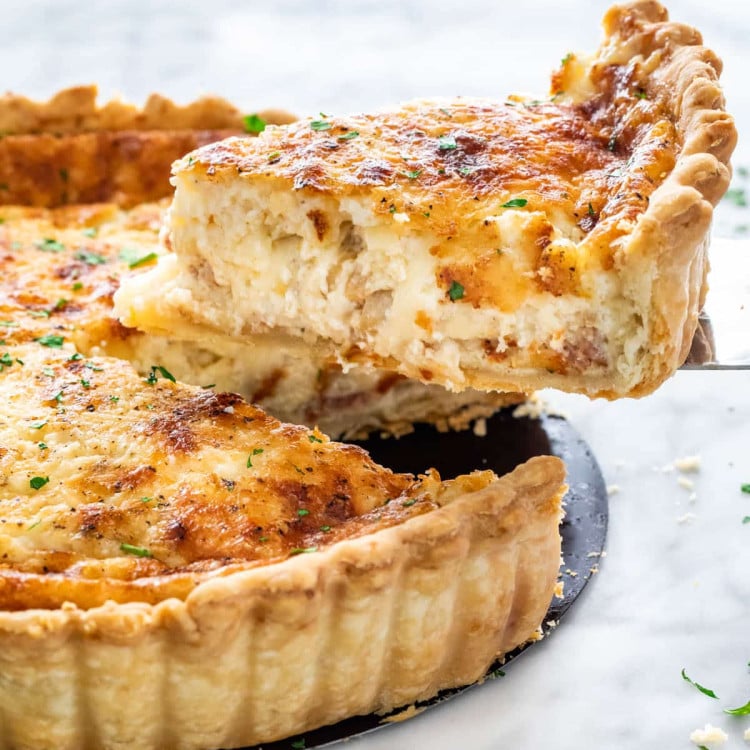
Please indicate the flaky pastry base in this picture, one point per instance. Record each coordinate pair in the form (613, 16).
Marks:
(366, 625)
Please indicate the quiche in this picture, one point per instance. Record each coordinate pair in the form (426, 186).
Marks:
(167, 542)
(87, 187)
(497, 245)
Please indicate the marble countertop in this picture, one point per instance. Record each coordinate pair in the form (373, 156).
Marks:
(674, 589)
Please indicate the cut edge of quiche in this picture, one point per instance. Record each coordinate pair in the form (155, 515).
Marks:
(471, 243)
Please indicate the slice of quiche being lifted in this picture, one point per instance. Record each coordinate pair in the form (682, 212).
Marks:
(504, 245)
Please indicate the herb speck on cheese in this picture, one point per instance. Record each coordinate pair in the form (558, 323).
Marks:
(254, 123)
(456, 291)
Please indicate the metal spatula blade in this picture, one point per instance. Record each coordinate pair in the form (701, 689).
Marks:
(722, 341)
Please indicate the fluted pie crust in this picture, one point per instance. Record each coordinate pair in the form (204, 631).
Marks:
(366, 625)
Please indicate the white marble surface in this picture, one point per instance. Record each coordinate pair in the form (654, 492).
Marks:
(669, 594)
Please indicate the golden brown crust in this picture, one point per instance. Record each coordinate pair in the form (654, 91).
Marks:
(263, 654)
(612, 183)
(69, 150)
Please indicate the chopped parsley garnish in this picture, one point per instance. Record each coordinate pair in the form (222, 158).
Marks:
(325, 528)
(40, 313)
(274, 156)
(641, 94)
(303, 512)
(348, 136)
(408, 503)
(445, 112)
(254, 123)
(745, 488)
(166, 374)
(314, 439)
(85, 383)
(392, 209)
(133, 258)
(456, 291)
(515, 203)
(42, 446)
(8, 324)
(256, 452)
(6, 360)
(746, 519)
(320, 125)
(591, 211)
(36, 483)
(146, 499)
(447, 143)
(74, 357)
(60, 303)
(90, 232)
(77, 286)
(89, 258)
(566, 59)
(302, 550)
(49, 245)
(207, 387)
(91, 366)
(298, 744)
(131, 549)
(464, 171)
(495, 673)
(736, 196)
(48, 372)
(38, 425)
(741, 711)
(52, 340)
(413, 174)
(114, 399)
(704, 690)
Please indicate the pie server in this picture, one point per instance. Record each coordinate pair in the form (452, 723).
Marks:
(722, 340)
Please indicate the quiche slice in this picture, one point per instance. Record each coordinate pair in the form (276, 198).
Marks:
(178, 569)
(499, 245)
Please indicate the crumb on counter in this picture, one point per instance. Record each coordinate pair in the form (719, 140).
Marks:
(688, 464)
(685, 483)
(687, 518)
(613, 489)
(709, 735)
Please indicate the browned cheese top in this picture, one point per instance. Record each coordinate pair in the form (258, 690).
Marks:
(448, 165)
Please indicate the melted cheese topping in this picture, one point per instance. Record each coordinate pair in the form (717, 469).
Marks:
(117, 487)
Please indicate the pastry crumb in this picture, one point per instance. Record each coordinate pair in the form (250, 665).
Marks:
(535, 408)
(746, 736)
(709, 735)
(551, 623)
(613, 489)
(407, 713)
(687, 518)
(559, 589)
(688, 464)
(480, 427)
(685, 483)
